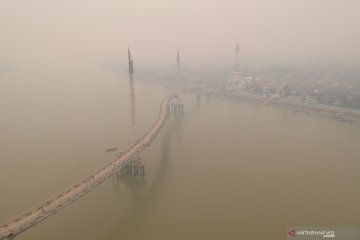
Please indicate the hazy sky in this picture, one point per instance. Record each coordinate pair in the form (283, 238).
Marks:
(204, 30)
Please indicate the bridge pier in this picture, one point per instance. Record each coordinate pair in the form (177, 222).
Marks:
(198, 100)
(132, 172)
(10, 237)
(177, 108)
(136, 169)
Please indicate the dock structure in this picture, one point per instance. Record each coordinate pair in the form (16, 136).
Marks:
(10, 229)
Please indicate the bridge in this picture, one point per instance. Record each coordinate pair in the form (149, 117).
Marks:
(13, 227)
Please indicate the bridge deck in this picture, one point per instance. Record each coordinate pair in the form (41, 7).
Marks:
(40, 212)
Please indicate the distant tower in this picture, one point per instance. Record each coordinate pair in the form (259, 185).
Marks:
(178, 65)
(178, 107)
(132, 97)
(178, 72)
(236, 65)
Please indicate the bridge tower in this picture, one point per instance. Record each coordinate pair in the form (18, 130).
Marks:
(236, 64)
(177, 106)
(236, 73)
(178, 66)
(132, 97)
(135, 169)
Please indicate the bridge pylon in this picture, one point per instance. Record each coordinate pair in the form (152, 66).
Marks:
(135, 169)
(177, 107)
(132, 97)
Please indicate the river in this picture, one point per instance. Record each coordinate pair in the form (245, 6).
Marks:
(224, 169)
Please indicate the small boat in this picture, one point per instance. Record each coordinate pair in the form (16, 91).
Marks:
(113, 148)
(339, 114)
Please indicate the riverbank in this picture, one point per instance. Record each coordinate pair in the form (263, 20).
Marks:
(340, 114)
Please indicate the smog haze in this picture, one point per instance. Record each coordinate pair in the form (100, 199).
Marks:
(40, 31)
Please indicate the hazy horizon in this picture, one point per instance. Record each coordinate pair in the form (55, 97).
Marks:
(68, 32)
(221, 146)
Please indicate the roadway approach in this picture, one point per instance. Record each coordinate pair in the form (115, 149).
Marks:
(10, 229)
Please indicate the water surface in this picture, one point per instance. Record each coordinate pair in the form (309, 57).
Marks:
(223, 170)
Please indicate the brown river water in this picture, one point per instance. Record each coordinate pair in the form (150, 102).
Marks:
(223, 170)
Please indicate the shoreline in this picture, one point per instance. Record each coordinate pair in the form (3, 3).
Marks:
(340, 114)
